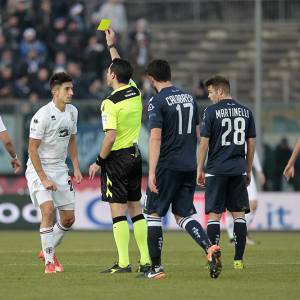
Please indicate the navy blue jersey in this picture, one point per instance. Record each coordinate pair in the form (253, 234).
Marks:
(228, 125)
(175, 112)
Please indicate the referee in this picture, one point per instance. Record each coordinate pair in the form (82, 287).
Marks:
(120, 160)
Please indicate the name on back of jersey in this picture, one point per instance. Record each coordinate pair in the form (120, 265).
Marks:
(232, 112)
(181, 98)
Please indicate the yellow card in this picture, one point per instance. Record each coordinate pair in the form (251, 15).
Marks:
(104, 24)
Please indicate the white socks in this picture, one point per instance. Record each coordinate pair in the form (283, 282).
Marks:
(47, 243)
(59, 233)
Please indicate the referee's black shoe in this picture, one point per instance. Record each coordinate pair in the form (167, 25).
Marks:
(117, 269)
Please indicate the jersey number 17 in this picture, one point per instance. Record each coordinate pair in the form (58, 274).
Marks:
(191, 112)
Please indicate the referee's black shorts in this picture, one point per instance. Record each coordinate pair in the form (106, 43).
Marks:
(121, 176)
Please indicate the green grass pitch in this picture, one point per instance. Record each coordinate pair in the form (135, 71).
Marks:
(273, 269)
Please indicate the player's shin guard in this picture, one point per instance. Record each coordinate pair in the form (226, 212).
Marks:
(59, 233)
(229, 225)
(47, 243)
(195, 230)
(213, 231)
(140, 233)
(155, 239)
(239, 232)
(122, 236)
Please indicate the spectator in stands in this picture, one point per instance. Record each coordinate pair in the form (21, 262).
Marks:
(61, 44)
(96, 90)
(31, 43)
(21, 87)
(141, 31)
(6, 84)
(4, 46)
(24, 15)
(115, 11)
(44, 19)
(40, 84)
(201, 92)
(95, 21)
(60, 62)
(76, 40)
(92, 59)
(33, 97)
(11, 6)
(75, 14)
(12, 32)
(81, 88)
(31, 64)
(6, 60)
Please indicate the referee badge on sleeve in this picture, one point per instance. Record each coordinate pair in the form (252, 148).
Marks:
(104, 119)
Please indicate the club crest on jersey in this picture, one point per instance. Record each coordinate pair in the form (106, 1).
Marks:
(36, 183)
(150, 107)
(72, 116)
(35, 121)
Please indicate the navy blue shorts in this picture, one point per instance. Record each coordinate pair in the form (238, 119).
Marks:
(223, 192)
(174, 187)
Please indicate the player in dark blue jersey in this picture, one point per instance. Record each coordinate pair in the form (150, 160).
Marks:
(225, 127)
(174, 124)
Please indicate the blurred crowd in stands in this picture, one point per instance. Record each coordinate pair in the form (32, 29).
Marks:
(42, 37)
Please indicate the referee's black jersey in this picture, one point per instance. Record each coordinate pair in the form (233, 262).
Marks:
(228, 125)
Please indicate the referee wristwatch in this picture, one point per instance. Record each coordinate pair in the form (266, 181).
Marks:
(111, 46)
(15, 157)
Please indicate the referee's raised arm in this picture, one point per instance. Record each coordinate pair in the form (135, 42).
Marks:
(110, 36)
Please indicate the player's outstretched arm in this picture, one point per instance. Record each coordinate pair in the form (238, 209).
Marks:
(72, 150)
(203, 148)
(10, 148)
(36, 161)
(110, 36)
(289, 170)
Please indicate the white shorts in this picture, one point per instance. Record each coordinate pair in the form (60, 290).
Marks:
(252, 190)
(64, 195)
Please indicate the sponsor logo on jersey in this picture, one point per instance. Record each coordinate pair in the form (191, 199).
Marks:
(35, 121)
(63, 131)
(53, 118)
(72, 116)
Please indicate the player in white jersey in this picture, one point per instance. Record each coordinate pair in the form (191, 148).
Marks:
(252, 193)
(52, 135)
(9, 146)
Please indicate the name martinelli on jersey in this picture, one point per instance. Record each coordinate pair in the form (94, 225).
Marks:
(232, 112)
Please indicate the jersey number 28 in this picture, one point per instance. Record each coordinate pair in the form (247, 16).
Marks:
(238, 134)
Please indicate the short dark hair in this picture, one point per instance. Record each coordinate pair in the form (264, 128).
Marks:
(218, 81)
(123, 69)
(57, 79)
(159, 69)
